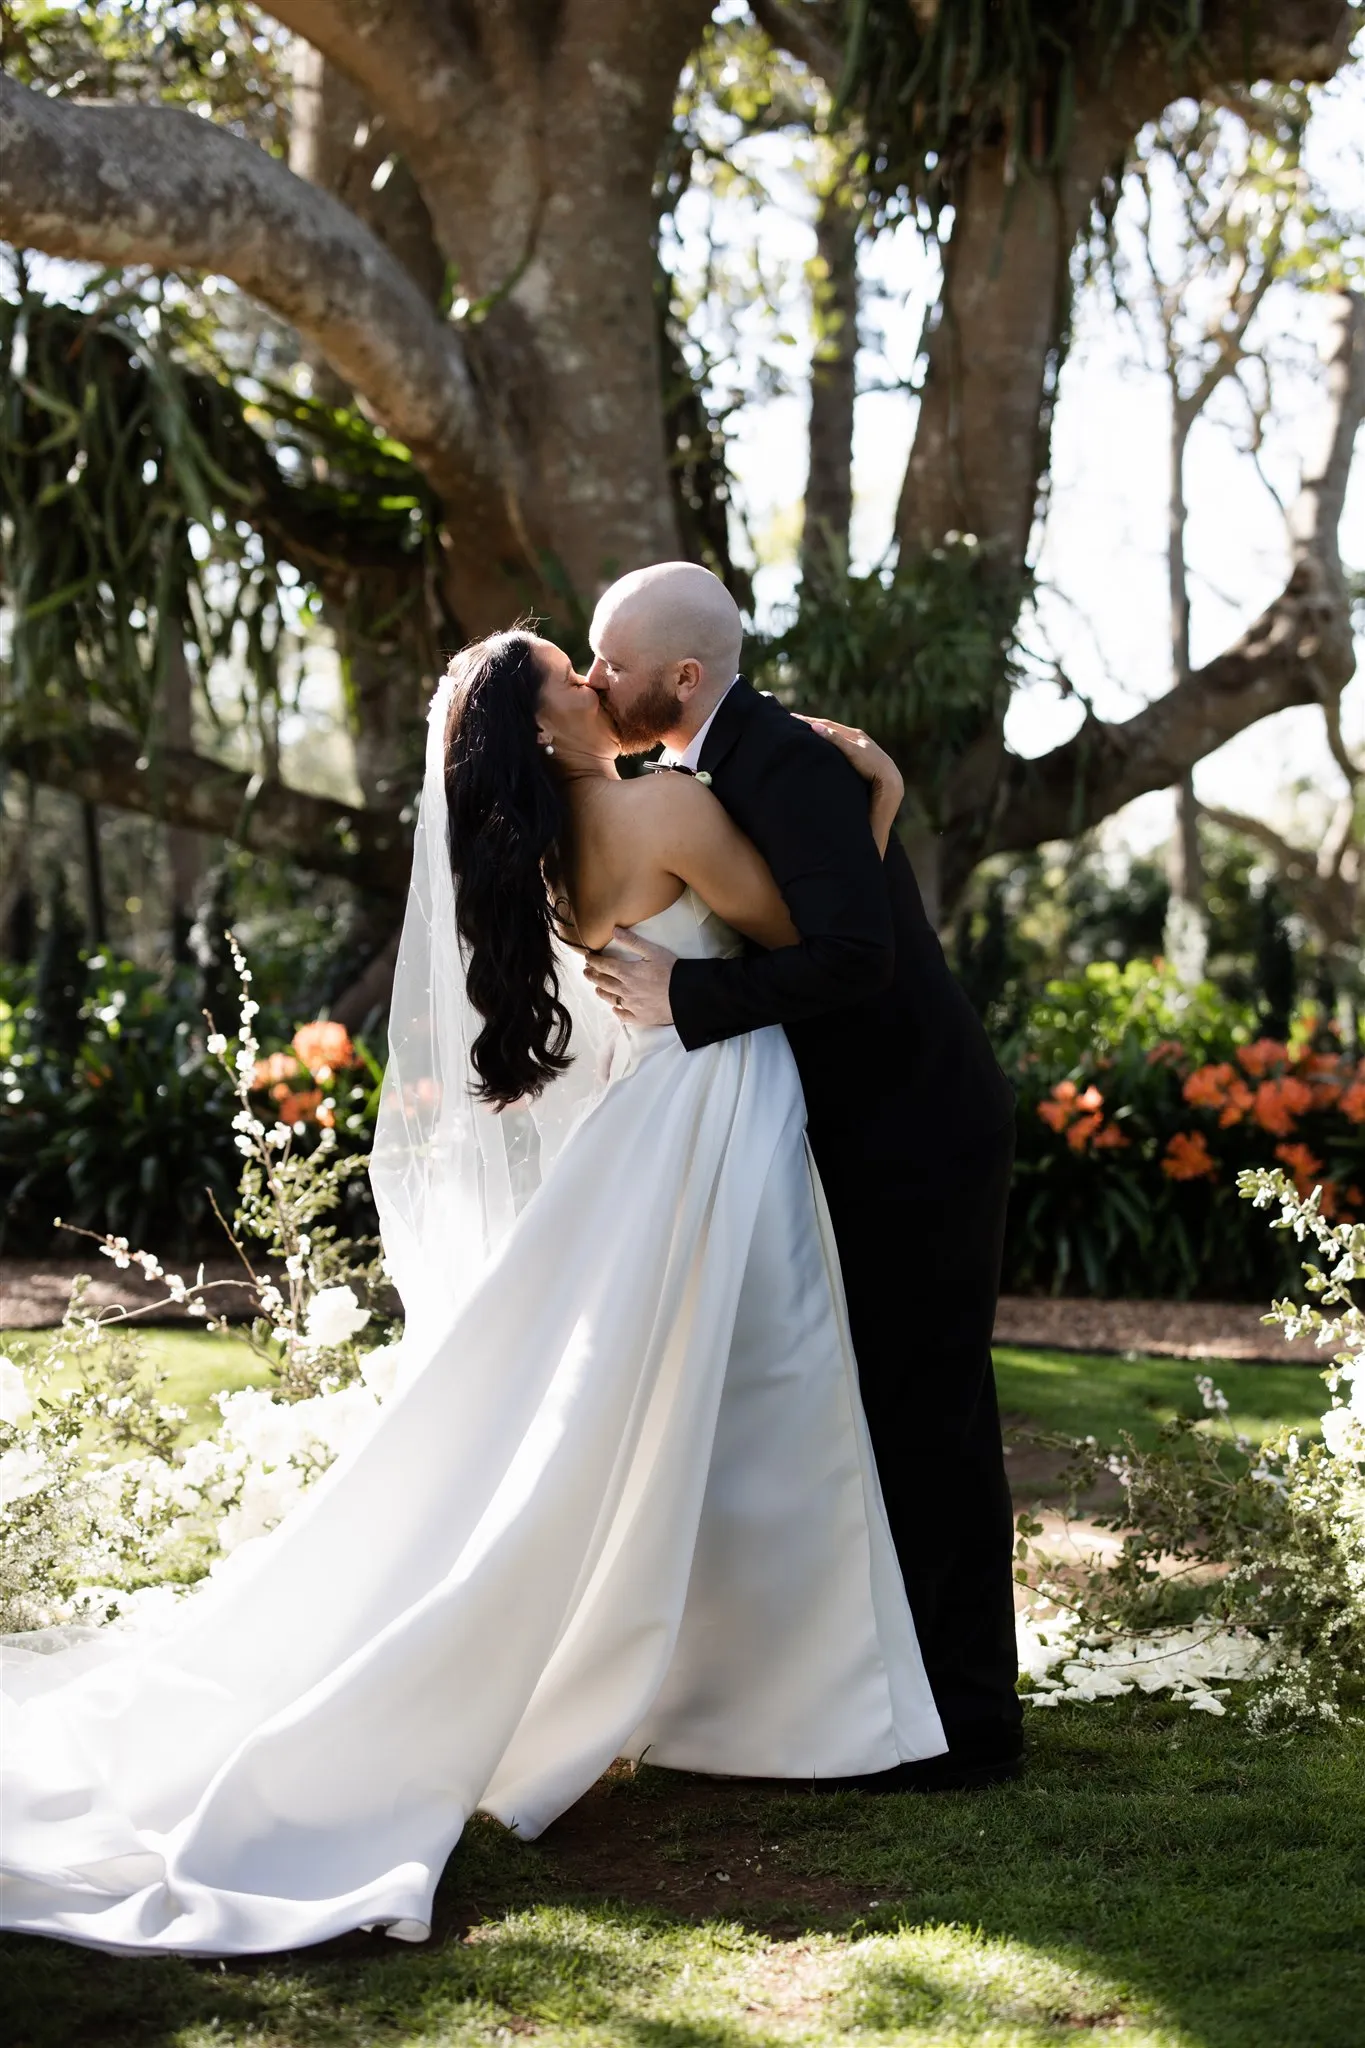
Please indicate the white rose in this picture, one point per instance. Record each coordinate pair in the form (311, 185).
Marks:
(1344, 1434)
(379, 1369)
(334, 1316)
(15, 1405)
(22, 1472)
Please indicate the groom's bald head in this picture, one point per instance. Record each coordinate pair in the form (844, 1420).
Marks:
(666, 642)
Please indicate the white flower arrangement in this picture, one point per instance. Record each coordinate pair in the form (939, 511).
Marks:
(1268, 1543)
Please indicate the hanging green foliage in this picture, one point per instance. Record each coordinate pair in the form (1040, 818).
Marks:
(924, 656)
(148, 500)
(987, 72)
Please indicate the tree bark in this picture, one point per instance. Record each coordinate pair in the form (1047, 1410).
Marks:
(184, 850)
(133, 184)
(368, 848)
(829, 484)
(534, 141)
(994, 355)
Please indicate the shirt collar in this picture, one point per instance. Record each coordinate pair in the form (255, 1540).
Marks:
(691, 753)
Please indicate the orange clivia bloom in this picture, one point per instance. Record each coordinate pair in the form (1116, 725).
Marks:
(301, 1108)
(1239, 1103)
(1091, 1100)
(1108, 1139)
(1258, 1059)
(1279, 1102)
(323, 1047)
(1307, 1172)
(1188, 1157)
(1207, 1087)
(1165, 1049)
(1352, 1102)
(276, 1067)
(1083, 1128)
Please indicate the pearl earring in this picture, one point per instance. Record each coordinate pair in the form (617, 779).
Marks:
(548, 745)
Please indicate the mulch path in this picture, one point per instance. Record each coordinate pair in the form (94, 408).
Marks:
(34, 1292)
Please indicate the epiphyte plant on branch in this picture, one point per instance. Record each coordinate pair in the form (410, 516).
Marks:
(376, 178)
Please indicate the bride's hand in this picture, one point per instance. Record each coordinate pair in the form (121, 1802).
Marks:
(875, 766)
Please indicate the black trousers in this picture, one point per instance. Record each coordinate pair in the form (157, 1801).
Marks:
(922, 1271)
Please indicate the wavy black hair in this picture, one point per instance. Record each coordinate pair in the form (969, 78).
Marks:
(507, 824)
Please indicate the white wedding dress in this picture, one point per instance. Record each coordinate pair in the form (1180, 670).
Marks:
(623, 1504)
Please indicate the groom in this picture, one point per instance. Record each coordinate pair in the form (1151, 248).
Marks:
(910, 1119)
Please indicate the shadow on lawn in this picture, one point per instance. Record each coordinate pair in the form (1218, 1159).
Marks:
(1155, 1874)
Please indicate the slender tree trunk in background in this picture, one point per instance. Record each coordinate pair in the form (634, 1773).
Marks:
(185, 851)
(829, 484)
(96, 918)
(1187, 925)
(18, 903)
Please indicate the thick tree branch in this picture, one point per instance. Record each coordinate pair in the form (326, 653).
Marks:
(134, 184)
(1300, 651)
(367, 848)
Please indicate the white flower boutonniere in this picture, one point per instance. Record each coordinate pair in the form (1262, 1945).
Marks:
(703, 778)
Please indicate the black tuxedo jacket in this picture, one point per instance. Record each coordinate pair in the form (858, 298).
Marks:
(899, 1077)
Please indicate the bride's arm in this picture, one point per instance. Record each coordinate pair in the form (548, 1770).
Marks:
(695, 839)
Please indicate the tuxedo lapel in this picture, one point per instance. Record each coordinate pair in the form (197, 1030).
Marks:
(736, 707)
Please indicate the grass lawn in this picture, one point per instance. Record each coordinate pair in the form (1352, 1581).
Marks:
(1159, 1879)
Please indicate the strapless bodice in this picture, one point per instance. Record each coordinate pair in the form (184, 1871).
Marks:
(689, 928)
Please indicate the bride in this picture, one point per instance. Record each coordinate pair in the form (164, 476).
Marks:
(621, 1501)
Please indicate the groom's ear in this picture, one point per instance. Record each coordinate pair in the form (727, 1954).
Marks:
(689, 676)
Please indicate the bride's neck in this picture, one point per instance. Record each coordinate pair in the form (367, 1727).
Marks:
(582, 767)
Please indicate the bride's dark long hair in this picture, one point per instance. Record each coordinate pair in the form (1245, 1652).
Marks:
(506, 833)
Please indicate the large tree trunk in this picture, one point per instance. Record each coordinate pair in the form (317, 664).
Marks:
(534, 142)
(999, 332)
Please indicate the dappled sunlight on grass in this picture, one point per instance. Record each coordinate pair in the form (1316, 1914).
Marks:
(1099, 1396)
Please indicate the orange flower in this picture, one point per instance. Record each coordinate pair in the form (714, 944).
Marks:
(1258, 1059)
(299, 1109)
(1352, 1103)
(1239, 1103)
(324, 1046)
(1188, 1158)
(1279, 1102)
(1068, 1103)
(1165, 1049)
(1058, 1113)
(276, 1067)
(1109, 1139)
(1207, 1087)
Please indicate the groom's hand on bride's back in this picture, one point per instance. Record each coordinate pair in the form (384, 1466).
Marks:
(637, 989)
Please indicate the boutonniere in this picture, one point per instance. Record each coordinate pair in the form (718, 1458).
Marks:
(703, 778)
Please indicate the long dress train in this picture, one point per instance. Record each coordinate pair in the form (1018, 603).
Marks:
(626, 1504)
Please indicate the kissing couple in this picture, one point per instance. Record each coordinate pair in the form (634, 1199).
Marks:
(691, 1167)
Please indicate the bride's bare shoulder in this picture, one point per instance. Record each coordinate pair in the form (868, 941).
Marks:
(662, 801)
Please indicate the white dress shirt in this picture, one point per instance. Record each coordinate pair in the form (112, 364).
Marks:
(691, 753)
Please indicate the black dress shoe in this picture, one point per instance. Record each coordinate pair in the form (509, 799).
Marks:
(933, 1774)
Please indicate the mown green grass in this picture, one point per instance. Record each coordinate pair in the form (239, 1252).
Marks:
(1101, 1395)
(1157, 1880)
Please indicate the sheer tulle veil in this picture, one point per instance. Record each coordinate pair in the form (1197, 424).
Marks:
(450, 1175)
